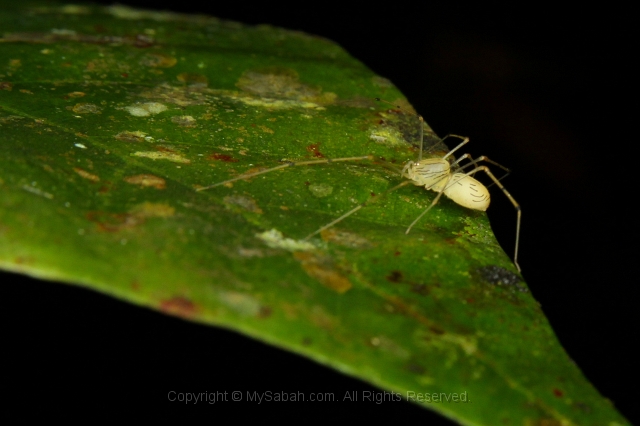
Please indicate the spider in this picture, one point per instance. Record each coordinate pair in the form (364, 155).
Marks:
(436, 174)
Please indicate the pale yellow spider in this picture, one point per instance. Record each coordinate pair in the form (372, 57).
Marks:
(435, 174)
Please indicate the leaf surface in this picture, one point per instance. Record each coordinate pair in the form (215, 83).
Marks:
(112, 118)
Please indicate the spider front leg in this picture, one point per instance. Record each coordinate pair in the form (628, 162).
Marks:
(287, 164)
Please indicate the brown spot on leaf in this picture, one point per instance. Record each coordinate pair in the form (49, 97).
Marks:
(165, 148)
(545, 422)
(5, 85)
(86, 174)
(114, 222)
(436, 330)
(20, 260)
(324, 270)
(558, 393)
(420, 289)
(321, 318)
(147, 181)
(314, 148)
(222, 157)
(265, 312)
(415, 368)
(127, 136)
(394, 277)
(178, 306)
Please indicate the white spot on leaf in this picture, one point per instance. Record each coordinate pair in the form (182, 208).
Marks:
(275, 239)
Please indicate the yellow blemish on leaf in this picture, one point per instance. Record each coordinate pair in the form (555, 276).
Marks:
(281, 82)
(154, 155)
(15, 63)
(10, 119)
(86, 108)
(390, 346)
(147, 209)
(116, 222)
(241, 303)
(320, 318)
(180, 96)
(147, 181)
(72, 9)
(320, 190)
(279, 103)
(146, 109)
(86, 174)
(324, 270)
(387, 136)
(266, 129)
(76, 94)
(126, 12)
(344, 238)
(247, 203)
(193, 78)
(158, 60)
(381, 82)
(184, 120)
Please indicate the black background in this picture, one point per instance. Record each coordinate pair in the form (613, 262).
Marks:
(546, 92)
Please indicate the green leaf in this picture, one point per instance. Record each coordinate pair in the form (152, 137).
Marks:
(111, 118)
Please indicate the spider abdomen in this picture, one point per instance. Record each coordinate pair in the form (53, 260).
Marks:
(468, 192)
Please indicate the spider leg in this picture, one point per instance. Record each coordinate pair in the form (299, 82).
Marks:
(465, 140)
(497, 182)
(355, 209)
(288, 164)
(474, 162)
(433, 203)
